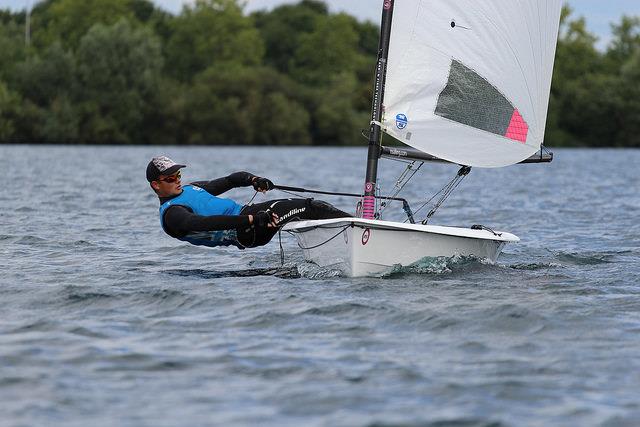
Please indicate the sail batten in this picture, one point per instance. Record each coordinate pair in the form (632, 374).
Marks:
(469, 81)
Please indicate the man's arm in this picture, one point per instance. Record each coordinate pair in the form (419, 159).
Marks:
(180, 221)
(222, 185)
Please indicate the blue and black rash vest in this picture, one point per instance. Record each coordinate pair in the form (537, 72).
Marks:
(202, 203)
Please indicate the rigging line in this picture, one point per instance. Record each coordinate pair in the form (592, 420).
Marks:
(443, 199)
(281, 248)
(250, 201)
(326, 241)
(328, 227)
(405, 204)
(280, 227)
(446, 191)
(286, 189)
(483, 227)
(402, 181)
(292, 232)
(292, 193)
(432, 197)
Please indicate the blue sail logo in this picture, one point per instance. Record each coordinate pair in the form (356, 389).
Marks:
(401, 121)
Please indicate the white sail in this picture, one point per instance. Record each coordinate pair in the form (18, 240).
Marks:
(468, 81)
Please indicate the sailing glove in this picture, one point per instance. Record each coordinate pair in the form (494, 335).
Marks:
(262, 184)
(262, 218)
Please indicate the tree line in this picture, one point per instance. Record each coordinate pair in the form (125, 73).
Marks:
(127, 72)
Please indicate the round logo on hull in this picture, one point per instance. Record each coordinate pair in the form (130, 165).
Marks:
(365, 236)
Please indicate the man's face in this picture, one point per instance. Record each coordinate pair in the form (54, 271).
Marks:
(168, 185)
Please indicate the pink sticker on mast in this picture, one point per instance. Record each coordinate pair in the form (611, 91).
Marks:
(369, 207)
(518, 128)
(369, 202)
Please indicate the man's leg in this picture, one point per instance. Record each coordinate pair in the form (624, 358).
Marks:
(324, 210)
(259, 236)
(287, 210)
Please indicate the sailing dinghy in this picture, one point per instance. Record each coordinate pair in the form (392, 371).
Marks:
(460, 81)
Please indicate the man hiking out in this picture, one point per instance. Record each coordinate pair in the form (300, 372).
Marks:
(194, 213)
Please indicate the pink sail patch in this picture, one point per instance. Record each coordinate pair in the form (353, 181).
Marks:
(518, 128)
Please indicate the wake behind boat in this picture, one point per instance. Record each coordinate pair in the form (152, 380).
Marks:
(463, 82)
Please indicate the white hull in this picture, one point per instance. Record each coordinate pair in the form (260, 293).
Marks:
(361, 247)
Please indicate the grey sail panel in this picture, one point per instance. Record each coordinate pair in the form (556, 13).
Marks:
(471, 100)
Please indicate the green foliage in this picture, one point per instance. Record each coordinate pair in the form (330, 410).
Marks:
(12, 47)
(625, 43)
(241, 105)
(143, 10)
(118, 70)
(46, 83)
(8, 105)
(337, 122)
(594, 94)
(43, 78)
(67, 21)
(333, 56)
(125, 72)
(330, 49)
(283, 28)
(211, 32)
(629, 135)
(576, 52)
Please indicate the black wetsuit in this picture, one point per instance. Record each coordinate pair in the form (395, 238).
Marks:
(180, 221)
(287, 210)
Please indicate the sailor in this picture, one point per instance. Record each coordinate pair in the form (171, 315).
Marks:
(196, 214)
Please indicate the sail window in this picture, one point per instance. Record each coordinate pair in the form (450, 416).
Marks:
(470, 99)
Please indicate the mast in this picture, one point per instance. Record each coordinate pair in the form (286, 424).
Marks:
(375, 132)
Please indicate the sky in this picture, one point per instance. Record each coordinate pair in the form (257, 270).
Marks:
(599, 13)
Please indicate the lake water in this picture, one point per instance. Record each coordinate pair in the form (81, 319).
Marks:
(107, 321)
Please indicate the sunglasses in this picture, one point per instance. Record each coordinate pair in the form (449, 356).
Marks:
(171, 178)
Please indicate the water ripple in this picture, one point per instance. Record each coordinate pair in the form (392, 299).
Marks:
(107, 321)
